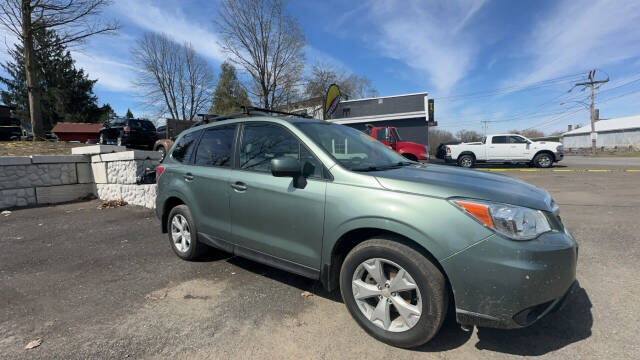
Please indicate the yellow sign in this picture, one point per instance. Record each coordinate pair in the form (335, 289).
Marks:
(332, 100)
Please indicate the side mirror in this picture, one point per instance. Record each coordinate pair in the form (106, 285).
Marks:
(288, 167)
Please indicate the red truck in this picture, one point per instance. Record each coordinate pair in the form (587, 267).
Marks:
(389, 136)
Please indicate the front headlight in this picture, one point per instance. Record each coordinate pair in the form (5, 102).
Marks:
(514, 222)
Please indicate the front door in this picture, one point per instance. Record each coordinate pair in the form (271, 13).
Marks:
(518, 147)
(268, 214)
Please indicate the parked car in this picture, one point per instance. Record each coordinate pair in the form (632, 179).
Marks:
(133, 133)
(505, 148)
(405, 242)
(10, 129)
(162, 146)
(389, 136)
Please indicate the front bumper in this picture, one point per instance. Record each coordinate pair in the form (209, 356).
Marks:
(559, 155)
(507, 284)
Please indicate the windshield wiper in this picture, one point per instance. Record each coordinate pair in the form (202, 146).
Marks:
(387, 167)
(369, 168)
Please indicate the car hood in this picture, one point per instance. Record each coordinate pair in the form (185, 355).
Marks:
(445, 181)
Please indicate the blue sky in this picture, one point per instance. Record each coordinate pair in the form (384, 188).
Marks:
(507, 62)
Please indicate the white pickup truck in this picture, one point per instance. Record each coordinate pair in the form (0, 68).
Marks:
(505, 148)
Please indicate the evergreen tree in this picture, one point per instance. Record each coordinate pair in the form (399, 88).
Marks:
(129, 114)
(67, 92)
(229, 94)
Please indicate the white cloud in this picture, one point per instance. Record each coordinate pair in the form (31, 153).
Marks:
(111, 74)
(579, 35)
(174, 23)
(430, 38)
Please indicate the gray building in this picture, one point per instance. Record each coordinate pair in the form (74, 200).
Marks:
(620, 133)
(406, 112)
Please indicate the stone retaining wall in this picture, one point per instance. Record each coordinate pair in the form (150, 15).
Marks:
(35, 180)
(116, 176)
(109, 172)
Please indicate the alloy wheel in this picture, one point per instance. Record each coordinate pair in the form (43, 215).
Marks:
(180, 233)
(466, 161)
(544, 161)
(387, 295)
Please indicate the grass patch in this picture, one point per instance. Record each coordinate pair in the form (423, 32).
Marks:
(26, 148)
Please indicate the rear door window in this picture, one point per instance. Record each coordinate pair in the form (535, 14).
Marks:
(216, 147)
(499, 140)
(183, 149)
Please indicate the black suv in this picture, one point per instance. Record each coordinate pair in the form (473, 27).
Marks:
(129, 132)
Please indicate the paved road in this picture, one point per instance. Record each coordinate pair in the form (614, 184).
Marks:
(105, 284)
(571, 162)
(601, 162)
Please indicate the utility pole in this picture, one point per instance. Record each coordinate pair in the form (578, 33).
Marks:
(484, 127)
(592, 86)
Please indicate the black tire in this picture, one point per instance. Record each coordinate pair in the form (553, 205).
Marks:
(543, 160)
(429, 280)
(196, 249)
(410, 157)
(466, 161)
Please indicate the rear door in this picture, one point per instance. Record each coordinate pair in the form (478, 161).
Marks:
(499, 148)
(269, 215)
(209, 181)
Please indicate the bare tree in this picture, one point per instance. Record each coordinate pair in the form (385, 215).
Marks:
(72, 20)
(468, 135)
(267, 43)
(352, 86)
(530, 133)
(172, 76)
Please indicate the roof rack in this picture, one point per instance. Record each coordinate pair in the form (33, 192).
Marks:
(246, 111)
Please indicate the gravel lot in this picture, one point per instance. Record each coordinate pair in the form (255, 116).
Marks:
(105, 284)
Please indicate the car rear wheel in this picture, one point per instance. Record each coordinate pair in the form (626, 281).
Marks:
(394, 293)
(182, 234)
(543, 160)
(466, 161)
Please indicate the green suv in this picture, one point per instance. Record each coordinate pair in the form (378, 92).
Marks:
(405, 242)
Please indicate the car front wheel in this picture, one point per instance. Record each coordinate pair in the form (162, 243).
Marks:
(543, 160)
(395, 293)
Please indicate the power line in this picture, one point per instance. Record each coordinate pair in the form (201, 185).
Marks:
(513, 88)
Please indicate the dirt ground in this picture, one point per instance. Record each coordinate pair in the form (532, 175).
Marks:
(105, 284)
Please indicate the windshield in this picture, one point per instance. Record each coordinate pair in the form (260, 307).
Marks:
(395, 132)
(351, 148)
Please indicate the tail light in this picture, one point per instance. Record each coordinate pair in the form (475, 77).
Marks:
(159, 171)
(126, 129)
(448, 149)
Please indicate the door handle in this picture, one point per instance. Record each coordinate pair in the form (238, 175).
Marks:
(239, 186)
(189, 177)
